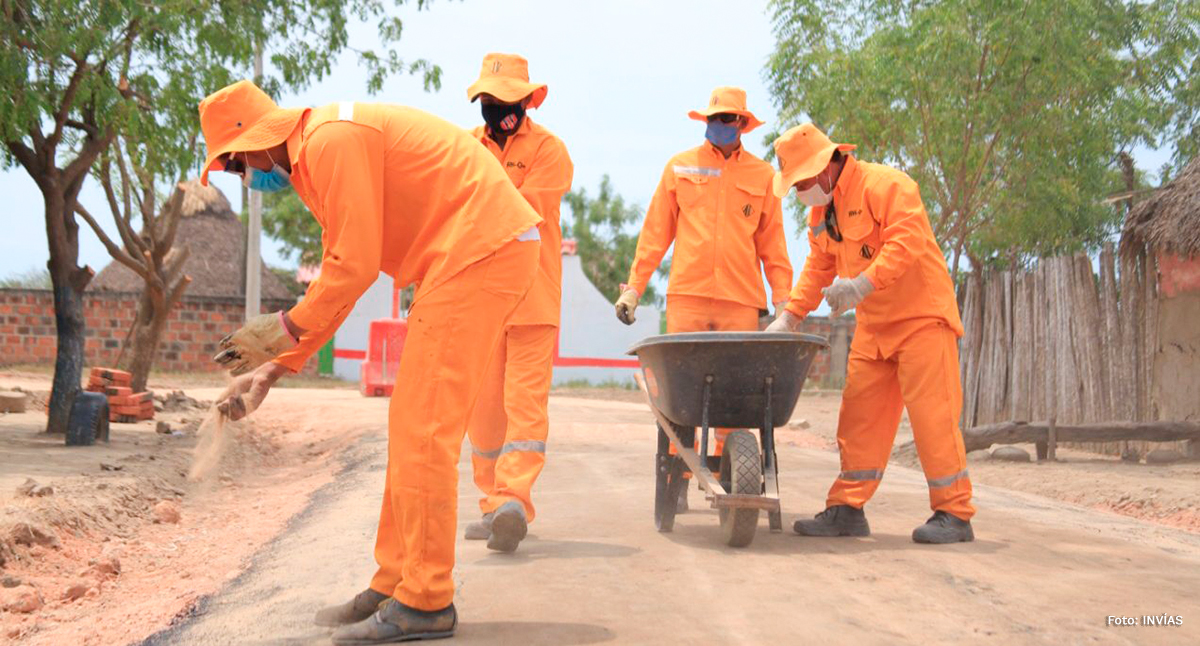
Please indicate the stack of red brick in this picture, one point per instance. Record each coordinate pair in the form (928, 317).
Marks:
(124, 405)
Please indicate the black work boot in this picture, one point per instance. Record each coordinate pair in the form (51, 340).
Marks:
(943, 527)
(479, 530)
(395, 622)
(363, 605)
(838, 520)
(508, 527)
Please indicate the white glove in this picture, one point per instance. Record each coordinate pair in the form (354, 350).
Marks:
(786, 322)
(846, 293)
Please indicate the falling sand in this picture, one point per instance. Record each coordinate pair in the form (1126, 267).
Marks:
(213, 441)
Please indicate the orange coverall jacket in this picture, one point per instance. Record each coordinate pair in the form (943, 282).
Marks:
(538, 165)
(887, 237)
(396, 190)
(724, 220)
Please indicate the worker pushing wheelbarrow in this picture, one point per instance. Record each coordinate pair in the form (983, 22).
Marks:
(743, 380)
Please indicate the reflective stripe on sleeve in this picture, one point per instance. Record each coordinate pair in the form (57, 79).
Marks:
(490, 455)
(345, 111)
(696, 170)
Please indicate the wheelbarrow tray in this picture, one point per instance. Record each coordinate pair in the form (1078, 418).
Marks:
(676, 368)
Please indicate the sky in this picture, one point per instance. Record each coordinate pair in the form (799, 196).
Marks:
(622, 75)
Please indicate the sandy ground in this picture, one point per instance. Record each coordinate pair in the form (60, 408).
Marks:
(264, 478)
(288, 525)
(594, 570)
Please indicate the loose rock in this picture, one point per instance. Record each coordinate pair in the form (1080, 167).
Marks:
(979, 455)
(105, 466)
(76, 589)
(1010, 454)
(163, 428)
(26, 488)
(1163, 456)
(10, 581)
(800, 424)
(166, 512)
(22, 598)
(108, 563)
(30, 534)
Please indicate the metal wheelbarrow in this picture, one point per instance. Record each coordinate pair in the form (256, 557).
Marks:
(741, 380)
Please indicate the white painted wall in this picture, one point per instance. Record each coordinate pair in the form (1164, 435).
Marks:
(589, 330)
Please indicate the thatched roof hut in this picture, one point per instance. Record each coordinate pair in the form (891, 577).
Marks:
(1168, 220)
(217, 242)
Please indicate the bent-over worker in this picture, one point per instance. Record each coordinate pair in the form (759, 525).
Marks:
(873, 250)
(400, 191)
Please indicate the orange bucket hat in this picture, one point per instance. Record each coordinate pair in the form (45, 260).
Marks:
(803, 151)
(731, 100)
(240, 118)
(506, 77)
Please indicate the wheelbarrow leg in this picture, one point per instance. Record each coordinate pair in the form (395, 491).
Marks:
(669, 480)
(770, 462)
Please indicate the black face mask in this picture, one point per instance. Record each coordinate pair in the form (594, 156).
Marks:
(503, 119)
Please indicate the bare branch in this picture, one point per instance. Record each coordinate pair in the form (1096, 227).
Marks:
(91, 130)
(116, 252)
(67, 102)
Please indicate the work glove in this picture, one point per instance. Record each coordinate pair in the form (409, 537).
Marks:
(627, 303)
(785, 322)
(779, 308)
(846, 293)
(247, 392)
(263, 338)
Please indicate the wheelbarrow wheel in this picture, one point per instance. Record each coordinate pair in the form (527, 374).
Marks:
(741, 472)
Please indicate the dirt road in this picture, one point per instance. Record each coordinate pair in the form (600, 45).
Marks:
(594, 570)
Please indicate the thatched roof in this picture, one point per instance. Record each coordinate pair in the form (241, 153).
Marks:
(1169, 218)
(216, 239)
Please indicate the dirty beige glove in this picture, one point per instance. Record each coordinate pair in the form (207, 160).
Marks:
(786, 322)
(779, 308)
(263, 338)
(247, 392)
(626, 304)
(845, 293)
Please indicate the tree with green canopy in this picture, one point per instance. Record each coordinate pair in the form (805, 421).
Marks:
(1010, 114)
(78, 76)
(606, 234)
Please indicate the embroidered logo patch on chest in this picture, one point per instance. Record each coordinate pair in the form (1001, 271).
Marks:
(516, 164)
(866, 251)
(747, 210)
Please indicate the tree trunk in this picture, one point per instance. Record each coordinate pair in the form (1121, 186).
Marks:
(147, 331)
(69, 280)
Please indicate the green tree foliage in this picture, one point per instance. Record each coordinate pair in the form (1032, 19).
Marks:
(77, 74)
(286, 219)
(1010, 114)
(605, 229)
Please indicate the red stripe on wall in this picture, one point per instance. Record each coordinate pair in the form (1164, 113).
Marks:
(591, 362)
(356, 355)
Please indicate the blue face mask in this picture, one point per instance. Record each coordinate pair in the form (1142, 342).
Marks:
(722, 134)
(270, 181)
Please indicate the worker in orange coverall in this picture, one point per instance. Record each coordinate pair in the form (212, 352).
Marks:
(715, 203)
(872, 250)
(400, 191)
(509, 426)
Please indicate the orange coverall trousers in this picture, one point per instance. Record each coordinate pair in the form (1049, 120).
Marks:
(922, 375)
(452, 333)
(509, 426)
(701, 314)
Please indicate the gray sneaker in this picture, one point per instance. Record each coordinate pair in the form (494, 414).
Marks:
(944, 527)
(838, 520)
(363, 605)
(395, 622)
(479, 530)
(508, 527)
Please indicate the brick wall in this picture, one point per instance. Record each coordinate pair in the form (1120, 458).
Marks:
(829, 368)
(196, 325)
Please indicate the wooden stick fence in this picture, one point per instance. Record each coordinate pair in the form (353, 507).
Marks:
(1062, 343)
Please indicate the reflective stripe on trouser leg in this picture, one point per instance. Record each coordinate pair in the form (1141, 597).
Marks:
(488, 424)
(700, 314)
(453, 331)
(867, 422)
(928, 371)
(528, 371)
